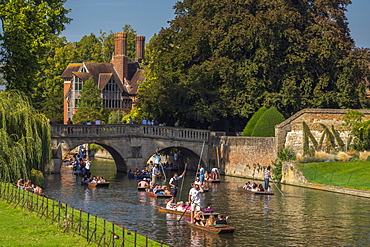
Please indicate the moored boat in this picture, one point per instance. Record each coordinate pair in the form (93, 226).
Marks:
(215, 229)
(138, 176)
(240, 188)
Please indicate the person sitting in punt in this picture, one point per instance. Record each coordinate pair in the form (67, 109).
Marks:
(268, 189)
(246, 186)
(197, 181)
(143, 183)
(180, 206)
(187, 206)
(254, 188)
(199, 218)
(221, 220)
(166, 190)
(260, 188)
(27, 184)
(157, 189)
(102, 180)
(170, 205)
(210, 221)
(94, 180)
(209, 209)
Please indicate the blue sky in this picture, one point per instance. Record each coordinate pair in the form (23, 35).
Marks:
(147, 17)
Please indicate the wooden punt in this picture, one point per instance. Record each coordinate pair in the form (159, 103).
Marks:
(106, 184)
(210, 180)
(240, 188)
(215, 229)
(187, 213)
(151, 194)
(141, 176)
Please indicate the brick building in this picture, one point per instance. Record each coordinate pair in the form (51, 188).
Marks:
(118, 80)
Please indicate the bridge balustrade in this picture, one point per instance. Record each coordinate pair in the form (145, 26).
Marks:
(114, 130)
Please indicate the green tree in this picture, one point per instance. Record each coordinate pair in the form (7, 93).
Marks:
(265, 125)
(116, 117)
(90, 107)
(223, 59)
(27, 27)
(25, 142)
(248, 130)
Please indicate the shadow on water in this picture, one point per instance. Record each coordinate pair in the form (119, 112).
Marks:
(303, 217)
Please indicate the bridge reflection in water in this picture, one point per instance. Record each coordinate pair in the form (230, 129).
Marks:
(304, 217)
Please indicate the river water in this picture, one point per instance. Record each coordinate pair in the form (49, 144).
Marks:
(302, 217)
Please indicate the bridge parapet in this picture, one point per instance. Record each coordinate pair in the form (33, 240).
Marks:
(116, 130)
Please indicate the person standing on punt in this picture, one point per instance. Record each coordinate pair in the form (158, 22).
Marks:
(194, 200)
(267, 177)
(174, 183)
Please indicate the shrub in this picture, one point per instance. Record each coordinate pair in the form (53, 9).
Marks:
(323, 156)
(266, 124)
(248, 130)
(364, 155)
(342, 156)
(37, 178)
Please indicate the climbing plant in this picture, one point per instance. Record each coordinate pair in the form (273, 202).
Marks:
(24, 137)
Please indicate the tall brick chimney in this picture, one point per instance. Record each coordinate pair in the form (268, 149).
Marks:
(120, 60)
(140, 45)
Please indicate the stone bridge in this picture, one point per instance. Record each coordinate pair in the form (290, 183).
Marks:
(131, 145)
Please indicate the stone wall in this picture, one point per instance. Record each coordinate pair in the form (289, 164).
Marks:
(289, 134)
(244, 156)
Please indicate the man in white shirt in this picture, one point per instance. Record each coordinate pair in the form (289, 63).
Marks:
(194, 200)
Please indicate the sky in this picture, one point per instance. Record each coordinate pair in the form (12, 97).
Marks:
(147, 17)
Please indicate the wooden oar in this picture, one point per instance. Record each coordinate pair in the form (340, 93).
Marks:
(200, 160)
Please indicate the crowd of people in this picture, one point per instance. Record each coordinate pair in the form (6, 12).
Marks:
(29, 186)
(93, 179)
(253, 186)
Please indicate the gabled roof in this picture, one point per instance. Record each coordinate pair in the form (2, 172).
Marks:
(135, 81)
(100, 72)
(72, 67)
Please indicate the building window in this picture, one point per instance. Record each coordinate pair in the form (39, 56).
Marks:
(112, 95)
(76, 103)
(78, 84)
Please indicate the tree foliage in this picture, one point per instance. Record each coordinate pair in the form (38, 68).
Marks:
(90, 106)
(27, 29)
(265, 125)
(224, 59)
(248, 130)
(25, 142)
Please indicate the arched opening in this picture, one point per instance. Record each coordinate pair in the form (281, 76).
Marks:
(118, 159)
(184, 156)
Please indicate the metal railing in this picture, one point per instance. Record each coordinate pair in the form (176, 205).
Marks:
(91, 227)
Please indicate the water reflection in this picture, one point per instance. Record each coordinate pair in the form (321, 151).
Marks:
(304, 217)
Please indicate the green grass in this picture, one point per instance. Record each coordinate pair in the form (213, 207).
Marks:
(352, 174)
(20, 227)
(83, 225)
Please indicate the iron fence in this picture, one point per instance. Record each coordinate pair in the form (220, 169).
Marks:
(91, 227)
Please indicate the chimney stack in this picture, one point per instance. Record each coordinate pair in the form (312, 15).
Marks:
(140, 45)
(120, 61)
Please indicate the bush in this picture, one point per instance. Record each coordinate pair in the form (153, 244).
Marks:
(342, 156)
(248, 130)
(266, 124)
(37, 178)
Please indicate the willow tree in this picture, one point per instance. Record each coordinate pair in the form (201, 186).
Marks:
(24, 137)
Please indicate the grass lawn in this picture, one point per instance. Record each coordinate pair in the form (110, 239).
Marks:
(20, 227)
(352, 174)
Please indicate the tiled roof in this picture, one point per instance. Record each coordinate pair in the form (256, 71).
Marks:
(68, 72)
(103, 79)
(135, 81)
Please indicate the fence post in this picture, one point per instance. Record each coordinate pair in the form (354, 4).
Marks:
(113, 235)
(123, 236)
(88, 224)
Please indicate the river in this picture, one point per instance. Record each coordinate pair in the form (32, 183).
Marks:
(300, 217)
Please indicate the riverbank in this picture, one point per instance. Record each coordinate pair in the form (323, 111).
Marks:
(21, 227)
(293, 175)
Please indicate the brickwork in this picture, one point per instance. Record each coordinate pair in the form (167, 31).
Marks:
(140, 48)
(245, 156)
(120, 60)
(290, 132)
